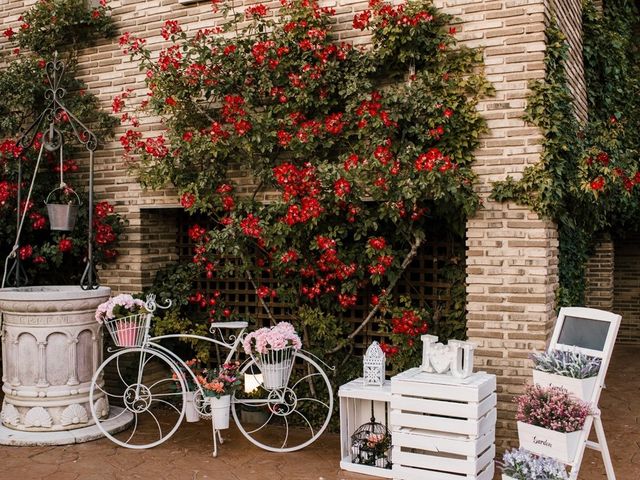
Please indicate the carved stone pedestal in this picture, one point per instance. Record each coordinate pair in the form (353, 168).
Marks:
(51, 347)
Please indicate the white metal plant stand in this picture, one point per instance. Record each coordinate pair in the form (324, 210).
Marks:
(592, 332)
(148, 380)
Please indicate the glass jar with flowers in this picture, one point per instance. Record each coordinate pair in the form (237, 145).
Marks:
(218, 385)
(520, 464)
(273, 350)
(125, 318)
(550, 421)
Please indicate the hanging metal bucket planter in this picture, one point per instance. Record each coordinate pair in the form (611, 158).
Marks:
(62, 216)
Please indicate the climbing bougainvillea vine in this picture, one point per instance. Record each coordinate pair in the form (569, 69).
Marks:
(317, 163)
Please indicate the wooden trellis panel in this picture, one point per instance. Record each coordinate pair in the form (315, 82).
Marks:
(423, 281)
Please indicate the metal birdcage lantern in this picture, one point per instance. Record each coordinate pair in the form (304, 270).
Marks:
(371, 444)
(373, 365)
(63, 212)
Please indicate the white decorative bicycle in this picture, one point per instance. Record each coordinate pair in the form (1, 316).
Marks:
(148, 381)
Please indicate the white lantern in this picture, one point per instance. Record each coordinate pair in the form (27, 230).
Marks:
(373, 365)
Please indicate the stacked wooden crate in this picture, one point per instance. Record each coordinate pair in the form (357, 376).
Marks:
(356, 402)
(443, 428)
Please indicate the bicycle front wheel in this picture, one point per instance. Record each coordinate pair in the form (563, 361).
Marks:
(145, 383)
(285, 419)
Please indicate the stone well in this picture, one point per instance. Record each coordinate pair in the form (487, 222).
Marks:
(51, 347)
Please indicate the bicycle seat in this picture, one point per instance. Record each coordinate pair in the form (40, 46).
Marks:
(229, 325)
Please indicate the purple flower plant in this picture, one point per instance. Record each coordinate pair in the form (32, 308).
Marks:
(566, 363)
(552, 408)
(521, 464)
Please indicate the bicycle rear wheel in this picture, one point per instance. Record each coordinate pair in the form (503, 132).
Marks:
(145, 383)
(286, 419)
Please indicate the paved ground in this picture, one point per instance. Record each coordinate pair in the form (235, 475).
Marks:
(187, 456)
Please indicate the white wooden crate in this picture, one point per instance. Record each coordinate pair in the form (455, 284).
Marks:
(355, 410)
(443, 428)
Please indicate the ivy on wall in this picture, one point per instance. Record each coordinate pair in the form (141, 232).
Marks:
(587, 180)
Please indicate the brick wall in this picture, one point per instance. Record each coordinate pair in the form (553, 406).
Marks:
(626, 296)
(599, 277)
(511, 254)
(568, 13)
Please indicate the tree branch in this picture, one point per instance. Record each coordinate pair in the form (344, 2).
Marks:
(405, 263)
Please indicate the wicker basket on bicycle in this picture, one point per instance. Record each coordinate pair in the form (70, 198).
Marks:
(275, 366)
(273, 349)
(128, 331)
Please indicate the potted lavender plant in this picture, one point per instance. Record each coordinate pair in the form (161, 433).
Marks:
(520, 464)
(550, 421)
(575, 371)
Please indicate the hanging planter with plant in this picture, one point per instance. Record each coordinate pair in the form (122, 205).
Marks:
(550, 421)
(575, 371)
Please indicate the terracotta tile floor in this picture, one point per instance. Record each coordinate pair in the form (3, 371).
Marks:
(187, 456)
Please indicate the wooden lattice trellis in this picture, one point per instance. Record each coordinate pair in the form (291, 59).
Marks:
(424, 281)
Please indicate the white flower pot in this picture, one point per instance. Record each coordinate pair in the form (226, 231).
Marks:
(581, 388)
(275, 366)
(191, 413)
(220, 409)
(542, 441)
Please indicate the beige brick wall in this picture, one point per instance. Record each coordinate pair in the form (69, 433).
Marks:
(599, 276)
(626, 297)
(568, 13)
(512, 254)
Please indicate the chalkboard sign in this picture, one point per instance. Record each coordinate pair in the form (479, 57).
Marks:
(592, 332)
(584, 332)
(586, 329)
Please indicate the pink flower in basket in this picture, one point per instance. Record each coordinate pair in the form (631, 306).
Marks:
(281, 336)
(121, 308)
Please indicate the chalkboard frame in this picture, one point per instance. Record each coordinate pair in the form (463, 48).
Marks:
(612, 319)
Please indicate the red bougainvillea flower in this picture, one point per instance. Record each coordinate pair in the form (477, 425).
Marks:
(342, 187)
(284, 138)
(39, 260)
(289, 256)
(377, 243)
(102, 209)
(187, 200)
(196, 232)
(603, 158)
(38, 222)
(334, 124)
(427, 161)
(251, 226)
(228, 203)
(361, 20)
(65, 245)
(242, 127)
(597, 184)
(25, 252)
(224, 188)
(389, 350)
(256, 11)
(170, 27)
(263, 291)
(9, 33)
(171, 101)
